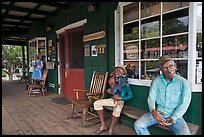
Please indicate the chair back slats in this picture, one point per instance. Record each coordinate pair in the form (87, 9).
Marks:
(44, 76)
(98, 84)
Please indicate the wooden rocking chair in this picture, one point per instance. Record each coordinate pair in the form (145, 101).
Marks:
(95, 92)
(38, 83)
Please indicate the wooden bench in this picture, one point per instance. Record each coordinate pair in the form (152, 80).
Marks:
(136, 113)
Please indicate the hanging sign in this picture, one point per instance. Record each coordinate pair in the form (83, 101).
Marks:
(94, 36)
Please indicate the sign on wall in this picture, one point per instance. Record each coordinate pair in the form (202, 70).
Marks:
(50, 65)
(94, 51)
(94, 36)
(86, 50)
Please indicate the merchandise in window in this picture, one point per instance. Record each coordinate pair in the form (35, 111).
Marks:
(132, 69)
(149, 70)
(131, 51)
(131, 12)
(150, 8)
(168, 6)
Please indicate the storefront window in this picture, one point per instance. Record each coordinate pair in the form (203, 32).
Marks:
(143, 41)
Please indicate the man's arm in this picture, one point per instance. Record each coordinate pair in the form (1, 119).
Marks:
(127, 94)
(152, 96)
(185, 102)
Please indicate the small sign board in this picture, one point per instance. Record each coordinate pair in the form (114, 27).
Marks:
(50, 65)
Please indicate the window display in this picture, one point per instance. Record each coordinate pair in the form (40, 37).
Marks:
(37, 46)
(143, 42)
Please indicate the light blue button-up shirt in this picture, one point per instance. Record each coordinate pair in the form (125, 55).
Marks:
(172, 98)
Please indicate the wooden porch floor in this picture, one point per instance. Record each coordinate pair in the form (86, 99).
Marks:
(42, 115)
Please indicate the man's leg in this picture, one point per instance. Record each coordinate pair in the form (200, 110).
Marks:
(101, 117)
(98, 106)
(116, 114)
(141, 125)
(180, 127)
(113, 122)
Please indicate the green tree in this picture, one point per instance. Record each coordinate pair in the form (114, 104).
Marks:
(11, 57)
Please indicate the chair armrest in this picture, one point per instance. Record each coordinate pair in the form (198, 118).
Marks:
(81, 90)
(93, 94)
(36, 80)
(77, 91)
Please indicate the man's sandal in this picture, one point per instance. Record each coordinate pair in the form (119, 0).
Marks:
(99, 131)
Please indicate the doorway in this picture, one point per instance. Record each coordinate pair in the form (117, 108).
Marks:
(71, 57)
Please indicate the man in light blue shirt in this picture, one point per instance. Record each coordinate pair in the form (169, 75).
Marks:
(168, 100)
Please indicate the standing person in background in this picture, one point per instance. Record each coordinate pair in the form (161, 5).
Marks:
(38, 66)
(168, 100)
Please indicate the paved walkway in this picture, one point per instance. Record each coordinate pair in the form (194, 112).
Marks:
(43, 115)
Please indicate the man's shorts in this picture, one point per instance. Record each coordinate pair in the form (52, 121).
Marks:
(117, 105)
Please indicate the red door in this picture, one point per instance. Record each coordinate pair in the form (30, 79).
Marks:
(72, 61)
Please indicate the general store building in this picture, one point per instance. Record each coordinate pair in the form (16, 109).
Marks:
(98, 36)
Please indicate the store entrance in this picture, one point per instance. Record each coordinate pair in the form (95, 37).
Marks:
(72, 61)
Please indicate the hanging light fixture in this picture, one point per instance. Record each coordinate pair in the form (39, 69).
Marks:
(49, 27)
(91, 6)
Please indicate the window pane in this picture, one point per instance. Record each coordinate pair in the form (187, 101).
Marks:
(175, 22)
(168, 6)
(199, 45)
(199, 17)
(131, 12)
(149, 70)
(150, 27)
(176, 46)
(132, 69)
(199, 71)
(131, 31)
(150, 49)
(150, 8)
(131, 51)
(182, 66)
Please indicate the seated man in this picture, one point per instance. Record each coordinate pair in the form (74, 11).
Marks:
(118, 79)
(168, 100)
(117, 102)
